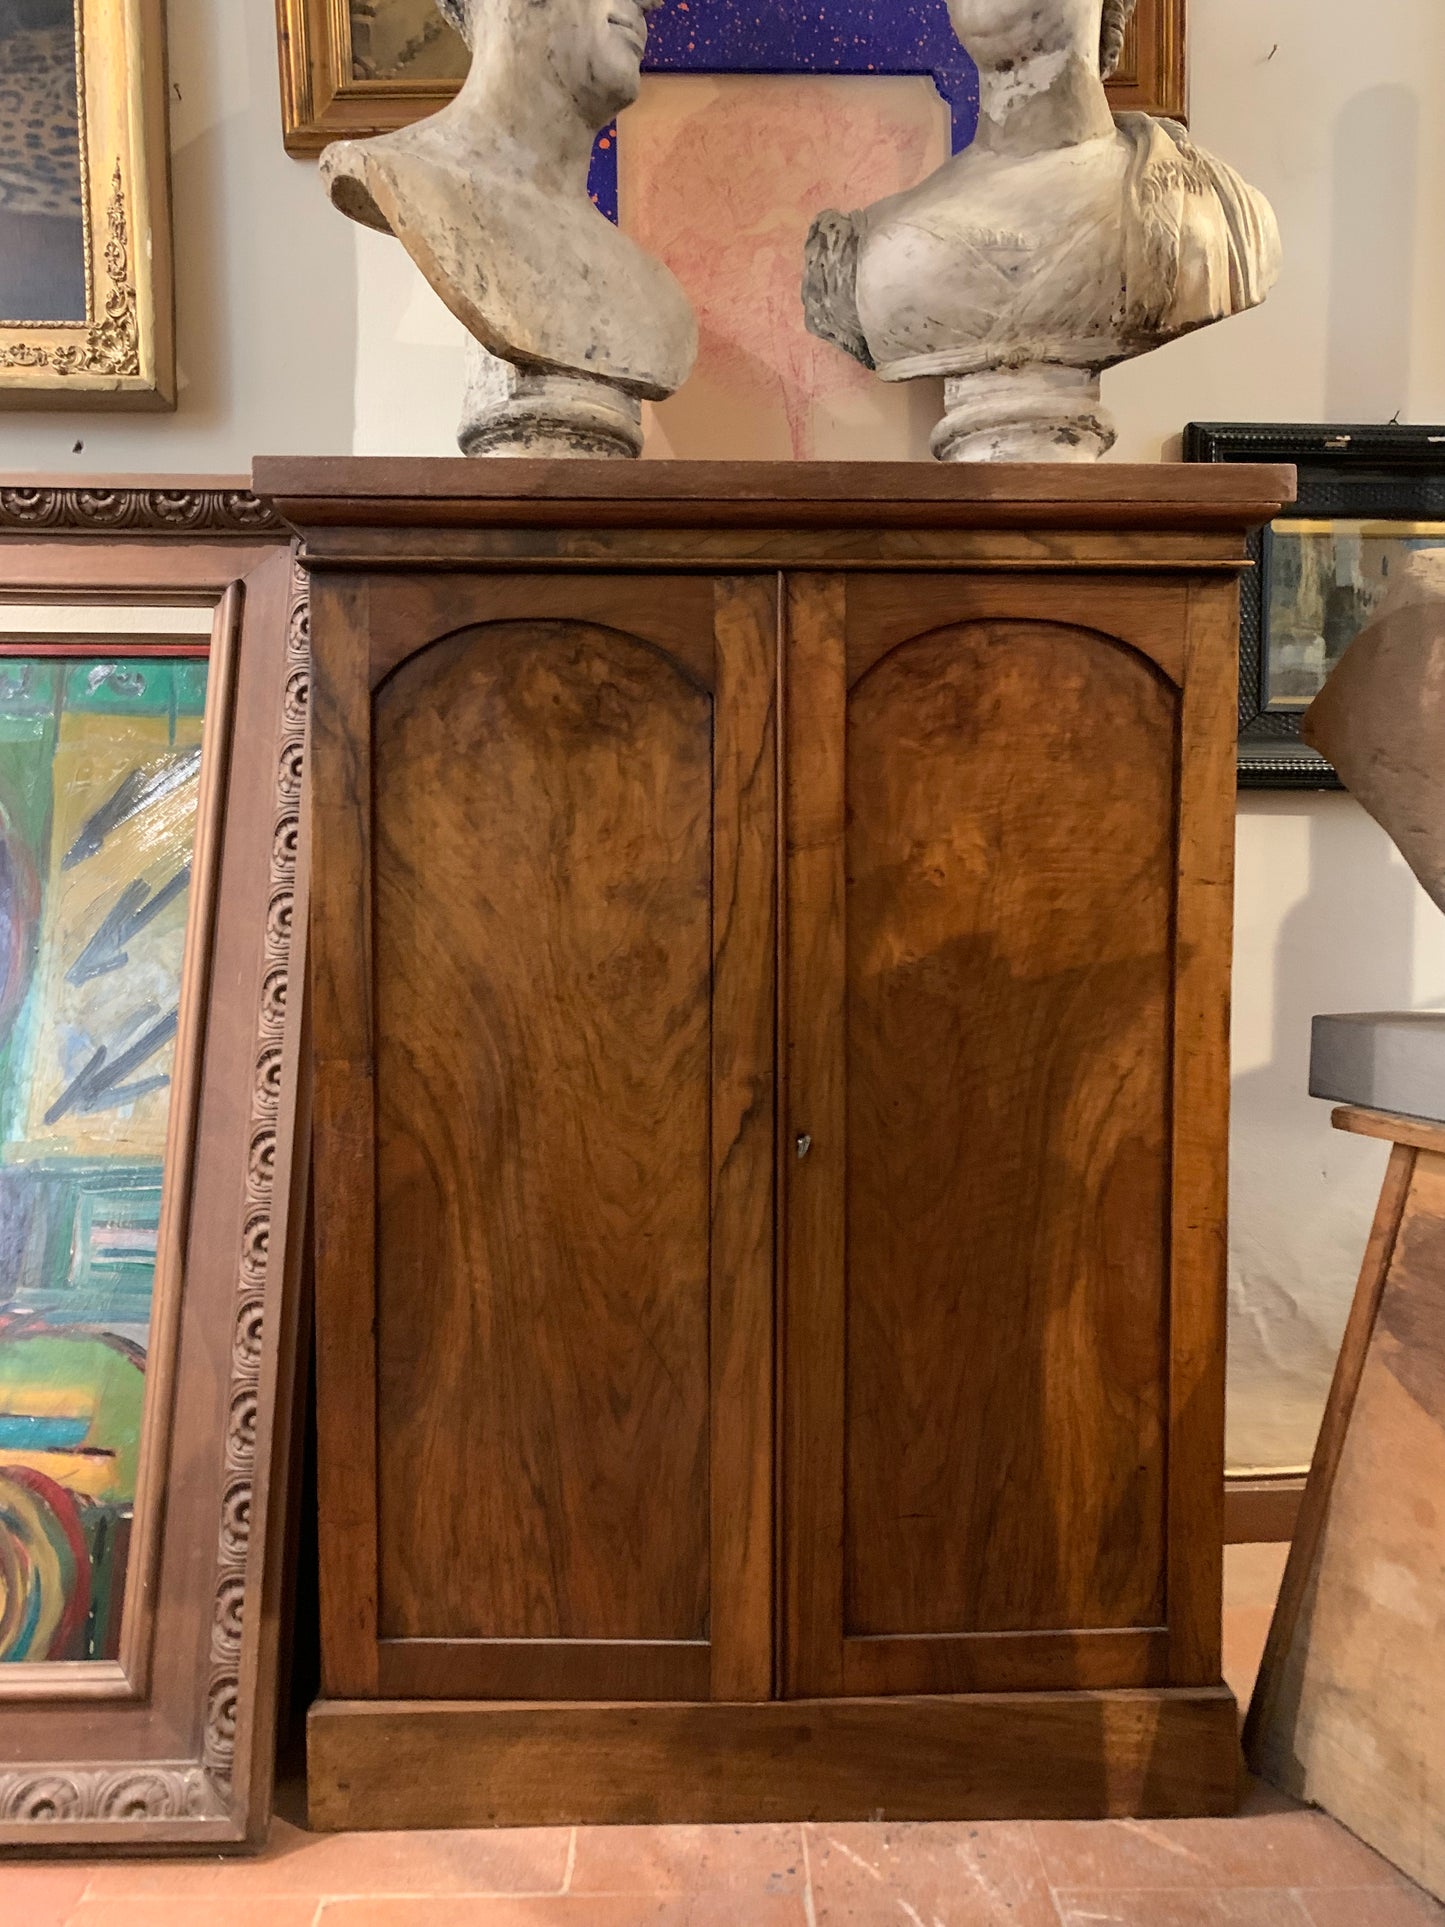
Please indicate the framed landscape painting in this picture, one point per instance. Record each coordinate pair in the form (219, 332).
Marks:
(85, 255)
(153, 677)
(1369, 497)
(351, 68)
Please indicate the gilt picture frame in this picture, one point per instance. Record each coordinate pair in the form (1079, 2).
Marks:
(353, 68)
(86, 291)
(1369, 495)
(154, 672)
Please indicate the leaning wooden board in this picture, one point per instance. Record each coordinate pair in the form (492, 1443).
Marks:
(1349, 1711)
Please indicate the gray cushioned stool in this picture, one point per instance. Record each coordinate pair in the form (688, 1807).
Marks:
(1382, 1061)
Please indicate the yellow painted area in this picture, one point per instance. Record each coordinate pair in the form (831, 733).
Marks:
(94, 753)
(87, 1477)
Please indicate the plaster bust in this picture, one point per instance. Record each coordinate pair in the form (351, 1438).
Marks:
(575, 322)
(1062, 241)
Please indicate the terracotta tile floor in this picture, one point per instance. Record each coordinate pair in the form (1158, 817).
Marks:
(1274, 1866)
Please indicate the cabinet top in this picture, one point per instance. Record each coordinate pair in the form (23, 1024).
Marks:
(360, 492)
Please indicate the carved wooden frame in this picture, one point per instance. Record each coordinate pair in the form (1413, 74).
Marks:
(322, 100)
(123, 354)
(174, 1746)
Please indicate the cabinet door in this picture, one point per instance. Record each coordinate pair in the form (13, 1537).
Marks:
(545, 940)
(1008, 860)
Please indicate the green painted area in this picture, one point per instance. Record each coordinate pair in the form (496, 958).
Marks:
(80, 1375)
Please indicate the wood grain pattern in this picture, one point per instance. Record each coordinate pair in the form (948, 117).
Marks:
(187, 1761)
(743, 1097)
(328, 492)
(813, 1158)
(342, 993)
(997, 1756)
(1199, 1128)
(1420, 1133)
(1330, 1445)
(1262, 1511)
(936, 977)
(1347, 1709)
(543, 1138)
(1010, 878)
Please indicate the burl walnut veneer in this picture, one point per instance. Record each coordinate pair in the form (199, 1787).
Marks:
(771, 957)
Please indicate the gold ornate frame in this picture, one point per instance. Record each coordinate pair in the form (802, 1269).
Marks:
(322, 100)
(123, 354)
(174, 1744)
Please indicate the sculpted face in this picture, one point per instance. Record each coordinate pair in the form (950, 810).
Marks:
(995, 31)
(593, 47)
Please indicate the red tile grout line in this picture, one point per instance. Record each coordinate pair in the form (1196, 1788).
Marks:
(569, 1869)
(809, 1911)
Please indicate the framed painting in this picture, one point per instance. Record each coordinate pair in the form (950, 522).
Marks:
(153, 681)
(351, 68)
(1368, 497)
(86, 302)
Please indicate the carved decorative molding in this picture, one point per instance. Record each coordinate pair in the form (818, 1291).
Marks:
(258, 1271)
(136, 511)
(176, 1791)
(112, 345)
(196, 1798)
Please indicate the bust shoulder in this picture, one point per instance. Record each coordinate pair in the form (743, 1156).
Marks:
(1078, 256)
(538, 280)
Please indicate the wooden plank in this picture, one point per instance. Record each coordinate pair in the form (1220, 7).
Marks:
(1004, 1756)
(1052, 1661)
(556, 1669)
(1348, 1712)
(1329, 1447)
(344, 1125)
(544, 1136)
(1009, 981)
(344, 490)
(1204, 927)
(1261, 1512)
(813, 1151)
(1420, 1133)
(744, 1012)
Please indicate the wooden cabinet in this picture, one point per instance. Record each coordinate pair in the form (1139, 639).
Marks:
(771, 937)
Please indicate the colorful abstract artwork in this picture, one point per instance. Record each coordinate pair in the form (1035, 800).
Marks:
(99, 785)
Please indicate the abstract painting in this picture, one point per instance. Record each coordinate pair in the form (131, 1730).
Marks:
(100, 764)
(42, 176)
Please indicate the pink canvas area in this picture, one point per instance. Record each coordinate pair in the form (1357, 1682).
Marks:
(1275, 1865)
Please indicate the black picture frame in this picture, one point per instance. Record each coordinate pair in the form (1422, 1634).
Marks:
(1369, 473)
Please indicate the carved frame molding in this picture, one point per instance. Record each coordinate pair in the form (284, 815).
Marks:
(121, 352)
(323, 100)
(219, 1793)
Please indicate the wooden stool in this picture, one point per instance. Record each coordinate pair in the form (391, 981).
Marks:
(1349, 1711)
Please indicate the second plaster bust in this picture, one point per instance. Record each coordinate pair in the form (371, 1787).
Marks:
(1062, 241)
(489, 198)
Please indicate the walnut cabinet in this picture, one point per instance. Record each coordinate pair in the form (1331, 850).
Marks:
(770, 948)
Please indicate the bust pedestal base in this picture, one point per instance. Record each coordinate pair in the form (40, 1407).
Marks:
(526, 413)
(1039, 414)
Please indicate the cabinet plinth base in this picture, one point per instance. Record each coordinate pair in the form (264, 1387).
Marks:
(415, 1763)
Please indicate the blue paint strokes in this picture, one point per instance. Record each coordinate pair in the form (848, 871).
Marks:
(24, 1432)
(802, 37)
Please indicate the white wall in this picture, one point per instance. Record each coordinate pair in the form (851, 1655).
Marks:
(1338, 112)
(266, 281)
(299, 332)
